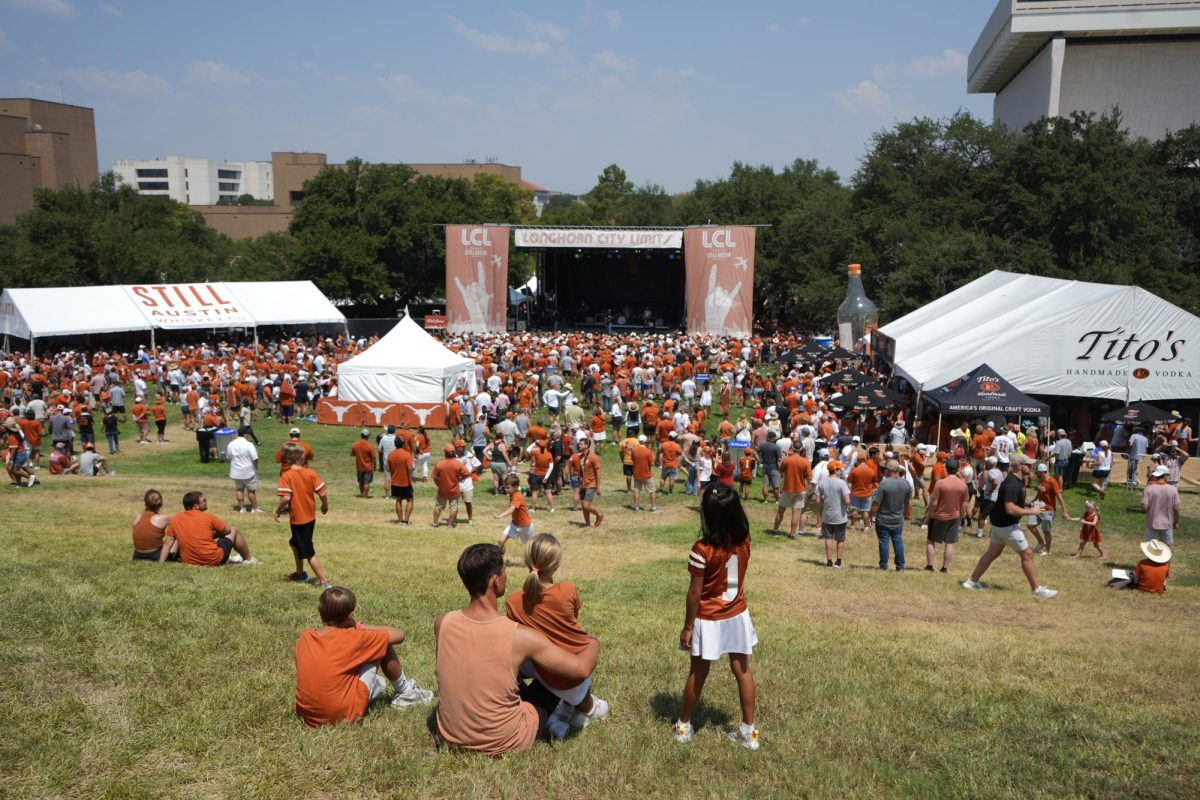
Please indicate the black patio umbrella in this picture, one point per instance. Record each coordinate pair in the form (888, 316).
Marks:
(791, 356)
(868, 397)
(839, 353)
(847, 377)
(1137, 413)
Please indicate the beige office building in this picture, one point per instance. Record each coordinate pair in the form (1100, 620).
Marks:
(43, 144)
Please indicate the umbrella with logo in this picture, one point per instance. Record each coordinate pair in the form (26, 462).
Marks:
(839, 354)
(868, 397)
(847, 377)
(1137, 413)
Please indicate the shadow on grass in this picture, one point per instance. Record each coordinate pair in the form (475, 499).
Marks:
(666, 707)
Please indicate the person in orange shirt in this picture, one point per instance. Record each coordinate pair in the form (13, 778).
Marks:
(191, 407)
(795, 473)
(400, 468)
(141, 418)
(32, 429)
(541, 459)
(597, 425)
(643, 477)
(520, 525)
(446, 476)
(337, 666)
(159, 412)
(287, 400)
(747, 464)
(202, 539)
(365, 456)
(669, 452)
(297, 487)
(294, 438)
(862, 480)
(589, 467)
(149, 528)
(552, 609)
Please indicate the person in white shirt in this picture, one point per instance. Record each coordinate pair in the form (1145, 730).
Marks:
(467, 485)
(243, 470)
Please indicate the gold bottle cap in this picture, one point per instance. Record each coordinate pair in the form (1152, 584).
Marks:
(855, 269)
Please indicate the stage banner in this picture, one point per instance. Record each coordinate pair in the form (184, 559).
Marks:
(371, 414)
(598, 237)
(189, 305)
(719, 267)
(476, 278)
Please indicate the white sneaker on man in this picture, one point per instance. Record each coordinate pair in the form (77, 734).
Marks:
(970, 584)
(599, 711)
(1043, 593)
(412, 696)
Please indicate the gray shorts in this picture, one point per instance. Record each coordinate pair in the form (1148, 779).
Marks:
(1045, 521)
(833, 530)
(771, 478)
(1010, 536)
(247, 484)
(1166, 536)
(862, 504)
(793, 500)
(943, 531)
(588, 495)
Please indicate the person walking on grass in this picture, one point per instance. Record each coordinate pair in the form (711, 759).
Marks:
(1089, 529)
(833, 495)
(243, 471)
(1160, 501)
(589, 483)
(447, 475)
(891, 505)
(365, 455)
(643, 475)
(949, 502)
(1049, 492)
(338, 665)
(159, 412)
(796, 473)
(541, 460)
(716, 619)
(552, 609)
(1006, 529)
(466, 486)
(297, 487)
(520, 524)
(400, 468)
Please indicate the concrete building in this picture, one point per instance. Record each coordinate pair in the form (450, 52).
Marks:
(1054, 57)
(43, 144)
(197, 181)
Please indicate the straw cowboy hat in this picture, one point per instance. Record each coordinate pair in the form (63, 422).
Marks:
(1156, 551)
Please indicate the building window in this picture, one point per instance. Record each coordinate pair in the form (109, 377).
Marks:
(295, 197)
(152, 173)
(185, 173)
(227, 187)
(229, 198)
(153, 186)
(229, 174)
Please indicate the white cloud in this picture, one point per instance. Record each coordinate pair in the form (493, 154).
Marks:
(800, 24)
(607, 59)
(613, 18)
(51, 8)
(774, 27)
(864, 98)
(498, 42)
(215, 72)
(407, 89)
(41, 90)
(5, 42)
(542, 29)
(606, 16)
(109, 10)
(135, 82)
(950, 62)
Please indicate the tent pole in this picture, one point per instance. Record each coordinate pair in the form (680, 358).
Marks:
(256, 341)
(32, 354)
(153, 348)
(937, 443)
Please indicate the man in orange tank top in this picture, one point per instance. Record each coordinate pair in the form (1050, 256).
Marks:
(482, 705)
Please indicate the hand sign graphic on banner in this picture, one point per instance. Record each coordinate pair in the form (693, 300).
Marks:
(475, 296)
(718, 302)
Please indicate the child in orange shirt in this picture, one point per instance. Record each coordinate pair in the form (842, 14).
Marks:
(553, 610)
(337, 666)
(520, 524)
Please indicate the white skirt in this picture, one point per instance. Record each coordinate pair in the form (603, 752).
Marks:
(713, 638)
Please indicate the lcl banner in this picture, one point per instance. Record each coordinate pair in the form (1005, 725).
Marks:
(719, 265)
(476, 278)
(189, 305)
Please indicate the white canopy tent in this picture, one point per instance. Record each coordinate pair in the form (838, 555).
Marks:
(406, 365)
(78, 310)
(1052, 337)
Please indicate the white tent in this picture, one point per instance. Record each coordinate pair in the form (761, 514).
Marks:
(1052, 337)
(407, 365)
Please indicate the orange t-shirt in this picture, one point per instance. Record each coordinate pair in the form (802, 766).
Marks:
(364, 455)
(724, 571)
(862, 481)
(1048, 491)
(299, 484)
(520, 515)
(671, 451)
(305, 446)
(746, 468)
(555, 615)
(591, 472)
(598, 424)
(796, 473)
(1152, 577)
(446, 475)
(159, 411)
(400, 466)
(194, 530)
(327, 663)
(643, 461)
(541, 461)
(663, 429)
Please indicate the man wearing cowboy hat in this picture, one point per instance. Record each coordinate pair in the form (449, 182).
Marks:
(1160, 501)
(1152, 572)
(1006, 528)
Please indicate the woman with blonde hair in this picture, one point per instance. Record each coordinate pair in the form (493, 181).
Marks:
(553, 610)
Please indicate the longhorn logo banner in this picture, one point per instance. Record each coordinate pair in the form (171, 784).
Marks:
(719, 265)
(476, 278)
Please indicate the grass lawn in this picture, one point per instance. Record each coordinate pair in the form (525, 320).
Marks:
(128, 679)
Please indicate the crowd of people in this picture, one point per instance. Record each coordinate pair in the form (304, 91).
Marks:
(733, 421)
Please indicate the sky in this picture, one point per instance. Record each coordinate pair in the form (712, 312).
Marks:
(670, 90)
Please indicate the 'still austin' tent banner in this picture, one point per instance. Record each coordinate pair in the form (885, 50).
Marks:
(719, 264)
(476, 278)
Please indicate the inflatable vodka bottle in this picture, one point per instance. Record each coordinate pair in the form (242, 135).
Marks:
(856, 316)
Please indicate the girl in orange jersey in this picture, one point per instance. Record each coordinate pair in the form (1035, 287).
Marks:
(717, 620)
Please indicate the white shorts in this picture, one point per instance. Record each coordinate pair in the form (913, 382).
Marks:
(522, 532)
(793, 500)
(468, 496)
(375, 681)
(599, 437)
(246, 484)
(573, 696)
(713, 638)
(1011, 535)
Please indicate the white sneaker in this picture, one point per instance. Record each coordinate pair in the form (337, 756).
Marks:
(1037, 549)
(558, 727)
(32, 480)
(599, 711)
(252, 562)
(234, 558)
(1045, 553)
(748, 741)
(684, 732)
(415, 696)
(970, 584)
(1042, 593)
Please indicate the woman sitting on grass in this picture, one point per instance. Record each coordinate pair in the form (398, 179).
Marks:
(148, 529)
(553, 610)
(717, 621)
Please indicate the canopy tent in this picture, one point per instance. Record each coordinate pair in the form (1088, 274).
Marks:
(406, 365)
(1051, 336)
(1137, 414)
(71, 311)
(983, 391)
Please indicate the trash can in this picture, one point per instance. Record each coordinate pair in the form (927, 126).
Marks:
(222, 437)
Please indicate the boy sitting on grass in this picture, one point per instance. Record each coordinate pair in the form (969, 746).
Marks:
(337, 666)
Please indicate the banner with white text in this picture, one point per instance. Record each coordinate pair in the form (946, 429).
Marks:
(189, 305)
(598, 237)
(719, 266)
(476, 278)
